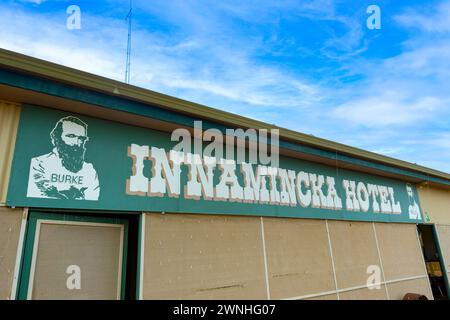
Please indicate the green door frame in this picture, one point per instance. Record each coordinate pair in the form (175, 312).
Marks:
(441, 258)
(34, 216)
(139, 275)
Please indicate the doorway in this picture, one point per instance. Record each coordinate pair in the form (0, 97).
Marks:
(433, 261)
(78, 256)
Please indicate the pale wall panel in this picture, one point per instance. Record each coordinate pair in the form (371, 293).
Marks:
(299, 260)
(364, 294)
(436, 203)
(400, 251)
(203, 257)
(10, 222)
(95, 249)
(326, 297)
(9, 120)
(398, 290)
(354, 250)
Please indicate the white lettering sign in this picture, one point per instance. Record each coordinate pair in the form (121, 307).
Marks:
(260, 184)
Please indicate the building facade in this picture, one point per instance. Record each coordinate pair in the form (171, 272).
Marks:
(109, 191)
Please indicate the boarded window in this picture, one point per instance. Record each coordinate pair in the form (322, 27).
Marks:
(95, 249)
(203, 257)
(299, 259)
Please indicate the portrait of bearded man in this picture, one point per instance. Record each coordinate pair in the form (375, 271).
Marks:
(413, 208)
(63, 173)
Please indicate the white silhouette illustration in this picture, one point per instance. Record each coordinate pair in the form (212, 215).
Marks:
(413, 208)
(63, 173)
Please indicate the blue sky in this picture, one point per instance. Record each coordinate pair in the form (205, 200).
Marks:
(310, 66)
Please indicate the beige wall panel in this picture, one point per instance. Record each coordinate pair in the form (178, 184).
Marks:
(203, 257)
(364, 294)
(354, 249)
(327, 297)
(444, 243)
(298, 255)
(10, 221)
(436, 203)
(398, 290)
(400, 252)
(95, 249)
(9, 120)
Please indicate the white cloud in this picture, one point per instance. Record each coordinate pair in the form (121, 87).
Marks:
(388, 109)
(33, 1)
(408, 89)
(434, 19)
(175, 66)
(206, 60)
(423, 58)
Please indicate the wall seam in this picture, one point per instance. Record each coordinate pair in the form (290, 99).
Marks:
(266, 269)
(19, 254)
(381, 261)
(332, 260)
(352, 288)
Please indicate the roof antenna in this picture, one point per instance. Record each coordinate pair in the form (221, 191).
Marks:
(127, 68)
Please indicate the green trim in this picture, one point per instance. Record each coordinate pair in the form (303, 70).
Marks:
(335, 156)
(46, 86)
(30, 234)
(139, 257)
(50, 87)
(26, 259)
(441, 259)
(124, 257)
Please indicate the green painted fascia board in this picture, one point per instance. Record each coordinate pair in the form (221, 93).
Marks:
(335, 156)
(118, 103)
(65, 91)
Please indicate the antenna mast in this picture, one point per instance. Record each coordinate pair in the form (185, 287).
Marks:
(127, 68)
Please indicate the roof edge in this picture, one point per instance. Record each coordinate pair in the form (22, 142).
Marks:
(43, 68)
